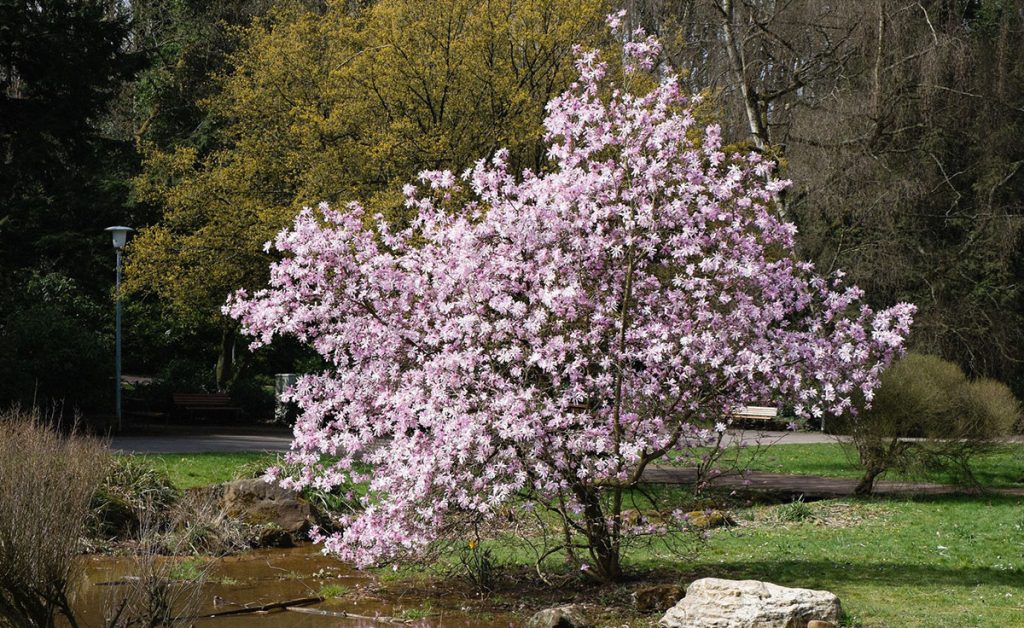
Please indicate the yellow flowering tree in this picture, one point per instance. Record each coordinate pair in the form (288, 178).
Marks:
(346, 104)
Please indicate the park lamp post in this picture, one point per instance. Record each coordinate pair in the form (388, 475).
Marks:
(120, 235)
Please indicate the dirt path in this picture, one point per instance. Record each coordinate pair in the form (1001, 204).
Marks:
(810, 486)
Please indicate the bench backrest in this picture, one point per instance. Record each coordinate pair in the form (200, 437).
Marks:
(755, 412)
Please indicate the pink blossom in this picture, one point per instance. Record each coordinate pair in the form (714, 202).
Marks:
(568, 328)
(614, 20)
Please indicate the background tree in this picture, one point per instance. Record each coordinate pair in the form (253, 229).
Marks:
(188, 44)
(345, 102)
(912, 176)
(62, 180)
(897, 119)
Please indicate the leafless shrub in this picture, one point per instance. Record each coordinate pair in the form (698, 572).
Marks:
(158, 593)
(47, 480)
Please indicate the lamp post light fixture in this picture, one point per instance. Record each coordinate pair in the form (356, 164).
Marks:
(120, 235)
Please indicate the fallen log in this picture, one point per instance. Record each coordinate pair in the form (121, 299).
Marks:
(261, 609)
(384, 619)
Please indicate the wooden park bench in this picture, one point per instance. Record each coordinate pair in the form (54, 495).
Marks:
(755, 414)
(200, 404)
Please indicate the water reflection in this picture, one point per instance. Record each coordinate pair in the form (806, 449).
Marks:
(270, 576)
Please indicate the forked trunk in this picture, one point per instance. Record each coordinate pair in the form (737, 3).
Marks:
(604, 545)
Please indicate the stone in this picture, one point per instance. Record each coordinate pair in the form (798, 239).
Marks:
(658, 598)
(273, 536)
(707, 519)
(259, 503)
(569, 616)
(633, 517)
(718, 603)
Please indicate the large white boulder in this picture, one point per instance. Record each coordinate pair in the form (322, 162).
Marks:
(718, 603)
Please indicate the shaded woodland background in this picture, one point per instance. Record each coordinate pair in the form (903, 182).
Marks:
(207, 125)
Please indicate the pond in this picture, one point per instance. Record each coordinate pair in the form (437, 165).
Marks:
(271, 576)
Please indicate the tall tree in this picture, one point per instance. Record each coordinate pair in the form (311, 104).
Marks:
(535, 352)
(897, 120)
(62, 180)
(61, 64)
(912, 175)
(346, 102)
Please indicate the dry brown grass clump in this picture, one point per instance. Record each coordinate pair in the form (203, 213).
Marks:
(47, 479)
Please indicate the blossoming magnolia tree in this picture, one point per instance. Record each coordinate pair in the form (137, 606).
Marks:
(562, 330)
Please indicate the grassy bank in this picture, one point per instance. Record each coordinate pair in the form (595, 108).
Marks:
(1003, 467)
(203, 469)
(952, 561)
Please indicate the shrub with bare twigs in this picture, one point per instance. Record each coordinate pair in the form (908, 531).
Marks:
(159, 593)
(47, 479)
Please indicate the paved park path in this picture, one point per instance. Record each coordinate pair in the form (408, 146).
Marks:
(177, 440)
(813, 487)
(204, 441)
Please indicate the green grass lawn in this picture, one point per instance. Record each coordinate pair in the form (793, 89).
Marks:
(1001, 468)
(936, 562)
(949, 561)
(202, 469)
(1004, 467)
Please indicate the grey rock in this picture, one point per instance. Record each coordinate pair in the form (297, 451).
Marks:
(718, 603)
(258, 502)
(569, 616)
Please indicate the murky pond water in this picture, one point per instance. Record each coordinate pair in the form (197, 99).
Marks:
(263, 577)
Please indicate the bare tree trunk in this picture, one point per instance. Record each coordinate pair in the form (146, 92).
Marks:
(738, 65)
(604, 547)
(866, 486)
(226, 359)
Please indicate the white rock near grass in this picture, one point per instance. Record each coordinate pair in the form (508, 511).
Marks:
(718, 603)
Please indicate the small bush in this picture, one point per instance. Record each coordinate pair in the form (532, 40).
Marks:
(131, 488)
(47, 480)
(198, 525)
(989, 407)
(255, 396)
(794, 512)
(927, 414)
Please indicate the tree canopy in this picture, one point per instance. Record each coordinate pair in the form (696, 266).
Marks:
(344, 103)
(565, 329)
(63, 178)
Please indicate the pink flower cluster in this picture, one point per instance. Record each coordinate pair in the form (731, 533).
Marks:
(562, 330)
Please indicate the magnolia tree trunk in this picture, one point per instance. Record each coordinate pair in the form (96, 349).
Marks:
(867, 483)
(603, 542)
